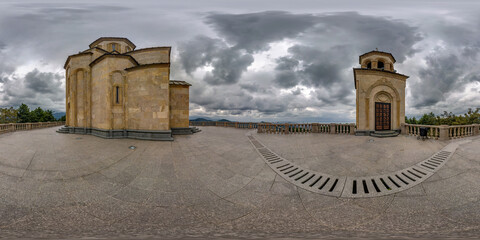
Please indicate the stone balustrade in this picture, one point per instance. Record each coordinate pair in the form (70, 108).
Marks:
(11, 127)
(247, 125)
(442, 132)
(296, 128)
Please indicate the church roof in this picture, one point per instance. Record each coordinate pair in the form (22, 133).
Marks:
(376, 52)
(374, 70)
(112, 39)
(99, 59)
(178, 82)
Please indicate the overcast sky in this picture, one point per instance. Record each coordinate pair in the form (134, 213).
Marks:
(254, 60)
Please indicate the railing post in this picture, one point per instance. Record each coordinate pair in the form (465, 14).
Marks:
(444, 133)
(12, 127)
(259, 127)
(403, 130)
(476, 129)
(352, 128)
(333, 128)
(314, 127)
(286, 130)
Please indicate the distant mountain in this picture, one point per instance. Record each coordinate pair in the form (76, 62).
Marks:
(200, 120)
(58, 115)
(204, 119)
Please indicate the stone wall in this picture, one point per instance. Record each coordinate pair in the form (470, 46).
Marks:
(147, 97)
(179, 106)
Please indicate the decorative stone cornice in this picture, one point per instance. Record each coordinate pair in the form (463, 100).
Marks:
(112, 39)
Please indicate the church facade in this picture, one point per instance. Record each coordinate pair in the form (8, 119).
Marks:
(380, 94)
(114, 90)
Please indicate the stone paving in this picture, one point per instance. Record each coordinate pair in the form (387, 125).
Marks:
(214, 184)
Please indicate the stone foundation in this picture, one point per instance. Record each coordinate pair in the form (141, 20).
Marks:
(165, 135)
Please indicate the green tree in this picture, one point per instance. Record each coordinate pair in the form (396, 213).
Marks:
(24, 114)
(37, 115)
(63, 118)
(428, 119)
(48, 116)
(8, 115)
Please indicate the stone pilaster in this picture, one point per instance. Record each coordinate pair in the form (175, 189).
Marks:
(352, 129)
(333, 127)
(444, 133)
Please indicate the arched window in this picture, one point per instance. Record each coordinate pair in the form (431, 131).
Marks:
(369, 65)
(117, 97)
(113, 46)
(380, 65)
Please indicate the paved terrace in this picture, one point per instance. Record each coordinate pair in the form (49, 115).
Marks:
(215, 183)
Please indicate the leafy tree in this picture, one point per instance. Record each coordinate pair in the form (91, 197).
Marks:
(63, 118)
(48, 116)
(428, 119)
(8, 115)
(24, 113)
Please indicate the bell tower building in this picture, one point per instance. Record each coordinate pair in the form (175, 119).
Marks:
(380, 94)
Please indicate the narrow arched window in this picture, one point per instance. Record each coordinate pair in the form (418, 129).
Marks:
(369, 65)
(380, 65)
(113, 46)
(117, 91)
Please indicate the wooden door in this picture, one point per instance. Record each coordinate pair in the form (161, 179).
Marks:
(382, 116)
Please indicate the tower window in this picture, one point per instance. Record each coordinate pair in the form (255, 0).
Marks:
(369, 65)
(113, 46)
(116, 94)
(380, 65)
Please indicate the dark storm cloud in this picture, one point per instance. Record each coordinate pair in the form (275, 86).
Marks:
(285, 75)
(36, 89)
(228, 63)
(42, 82)
(254, 31)
(370, 32)
(445, 73)
(325, 47)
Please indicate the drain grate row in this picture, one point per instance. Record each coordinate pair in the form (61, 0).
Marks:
(435, 162)
(353, 187)
(301, 177)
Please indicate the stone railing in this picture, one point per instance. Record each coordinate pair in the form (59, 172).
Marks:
(295, 128)
(11, 127)
(248, 125)
(442, 132)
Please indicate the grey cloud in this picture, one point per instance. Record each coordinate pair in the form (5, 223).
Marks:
(36, 89)
(228, 67)
(228, 63)
(285, 75)
(42, 82)
(254, 31)
(318, 60)
(438, 79)
(199, 51)
(369, 32)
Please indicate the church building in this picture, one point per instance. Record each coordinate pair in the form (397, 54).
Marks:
(380, 95)
(114, 90)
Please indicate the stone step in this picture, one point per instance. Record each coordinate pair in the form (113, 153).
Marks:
(382, 134)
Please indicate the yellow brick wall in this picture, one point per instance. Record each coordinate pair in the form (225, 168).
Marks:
(179, 106)
(147, 98)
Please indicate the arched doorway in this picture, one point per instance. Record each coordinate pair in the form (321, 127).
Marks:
(383, 111)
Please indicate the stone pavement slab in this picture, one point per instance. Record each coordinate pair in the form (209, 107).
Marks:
(214, 184)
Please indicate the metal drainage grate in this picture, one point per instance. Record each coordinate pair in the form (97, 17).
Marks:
(301, 177)
(354, 187)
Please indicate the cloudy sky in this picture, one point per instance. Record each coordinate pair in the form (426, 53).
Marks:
(254, 60)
